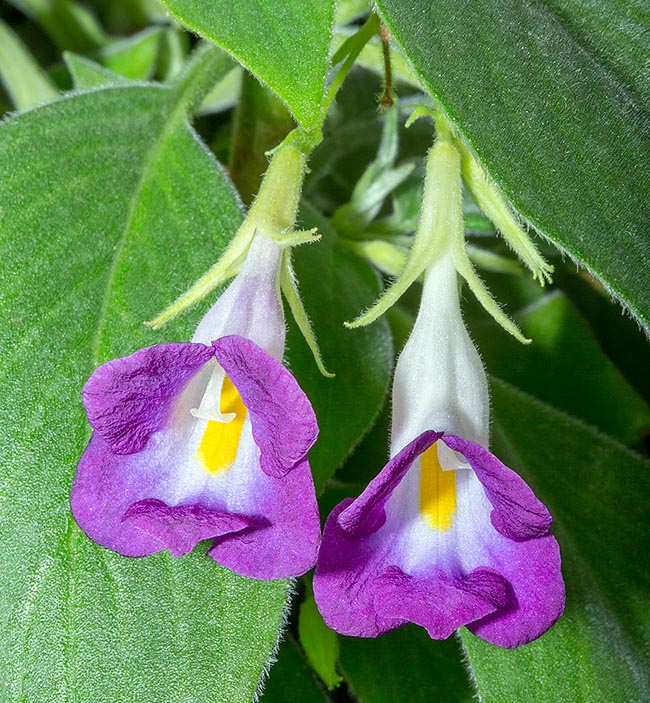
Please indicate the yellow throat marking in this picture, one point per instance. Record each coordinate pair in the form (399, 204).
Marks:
(437, 491)
(220, 441)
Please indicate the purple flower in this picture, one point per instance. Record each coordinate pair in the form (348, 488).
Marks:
(446, 535)
(206, 440)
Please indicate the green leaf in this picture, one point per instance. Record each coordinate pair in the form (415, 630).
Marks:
(321, 644)
(620, 337)
(334, 285)
(406, 665)
(521, 82)
(24, 80)
(285, 44)
(566, 367)
(109, 204)
(88, 74)
(597, 492)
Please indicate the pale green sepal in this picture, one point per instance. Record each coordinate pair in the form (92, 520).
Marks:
(442, 184)
(489, 198)
(227, 267)
(489, 261)
(483, 295)
(295, 238)
(289, 287)
(273, 210)
(420, 111)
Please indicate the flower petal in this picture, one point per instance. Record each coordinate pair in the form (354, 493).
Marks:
(283, 422)
(521, 549)
(128, 399)
(345, 579)
(518, 514)
(287, 545)
(440, 603)
(180, 528)
(532, 568)
(366, 514)
(105, 486)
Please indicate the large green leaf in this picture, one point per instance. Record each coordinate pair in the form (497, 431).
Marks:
(597, 491)
(109, 205)
(285, 44)
(336, 285)
(554, 101)
(566, 367)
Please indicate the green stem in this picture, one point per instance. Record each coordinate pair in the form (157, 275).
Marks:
(387, 98)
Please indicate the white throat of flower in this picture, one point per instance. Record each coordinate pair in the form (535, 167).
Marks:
(440, 383)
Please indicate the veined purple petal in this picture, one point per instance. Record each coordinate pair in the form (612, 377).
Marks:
(345, 581)
(283, 421)
(440, 603)
(532, 568)
(104, 488)
(288, 544)
(129, 399)
(366, 514)
(181, 528)
(518, 514)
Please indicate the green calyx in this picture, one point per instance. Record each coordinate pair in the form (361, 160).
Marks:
(272, 214)
(440, 228)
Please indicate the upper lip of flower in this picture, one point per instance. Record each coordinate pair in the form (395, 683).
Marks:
(140, 487)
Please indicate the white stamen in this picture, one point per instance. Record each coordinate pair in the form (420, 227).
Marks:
(210, 408)
(449, 459)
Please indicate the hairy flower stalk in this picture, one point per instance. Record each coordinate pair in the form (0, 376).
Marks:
(446, 535)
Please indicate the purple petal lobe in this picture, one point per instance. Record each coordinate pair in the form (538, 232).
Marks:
(283, 422)
(440, 603)
(518, 514)
(104, 488)
(288, 543)
(128, 399)
(532, 568)
(366, 514)
(180, 528)
(345, 580)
